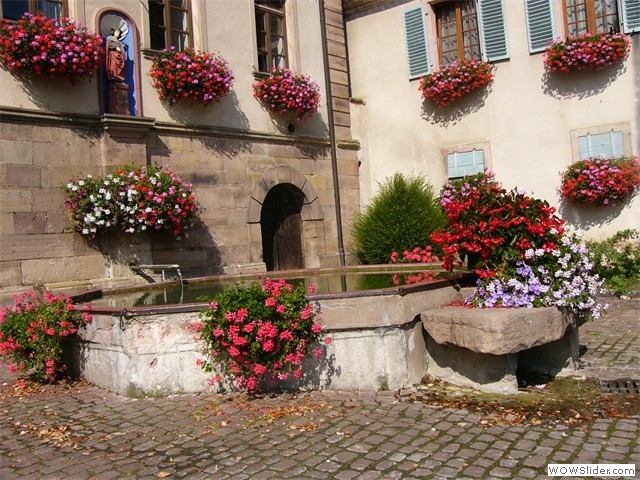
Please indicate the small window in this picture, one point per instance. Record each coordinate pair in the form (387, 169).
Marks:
(608, 145)
(14, 9)
(461, 164)
(271, 34)
(169, 24)
(591, 16)
(458, 32)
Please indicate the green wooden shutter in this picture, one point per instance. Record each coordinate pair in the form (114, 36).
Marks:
(494, 31)
(416, 40)
(540, 25)
(630, 16)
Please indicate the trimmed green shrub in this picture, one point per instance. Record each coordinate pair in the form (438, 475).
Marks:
(617, 261)
(401, 216)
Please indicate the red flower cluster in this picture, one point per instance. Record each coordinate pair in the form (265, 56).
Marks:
(32, 331)
(37, 45)
(453, 81)
(204, 77)
(601, 181)
(495, 225)
(259, 331)
(417, 255)
(283, 92)
(587, 52)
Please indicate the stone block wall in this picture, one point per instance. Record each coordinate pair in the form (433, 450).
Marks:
(41, 153)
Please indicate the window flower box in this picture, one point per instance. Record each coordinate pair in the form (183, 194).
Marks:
(284, 92)
(203, 77)
(133, 200)
(41, 46)
(587, 52)
(453, 81)
(601, 181)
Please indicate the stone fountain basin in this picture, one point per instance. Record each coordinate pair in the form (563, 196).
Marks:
(484, 347)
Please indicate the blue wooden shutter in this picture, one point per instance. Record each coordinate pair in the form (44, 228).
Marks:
(630, 16)
(494, 31)
(540, 24)
(416, 40)
(608, 145)
(461, 164)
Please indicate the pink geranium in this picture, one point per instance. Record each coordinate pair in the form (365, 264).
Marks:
(283, 92)
(587, 52)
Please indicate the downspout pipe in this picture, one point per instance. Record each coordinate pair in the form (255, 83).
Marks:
(332, 134)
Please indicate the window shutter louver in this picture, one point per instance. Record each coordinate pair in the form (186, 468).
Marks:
(416, 41)
(540, 25)
(630, 16)
(494, 32)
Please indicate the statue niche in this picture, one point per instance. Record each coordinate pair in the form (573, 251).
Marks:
(119, 80)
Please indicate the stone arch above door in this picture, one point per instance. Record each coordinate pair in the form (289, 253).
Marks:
(311, 208)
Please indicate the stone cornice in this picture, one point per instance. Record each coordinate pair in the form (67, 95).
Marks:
(136, 127)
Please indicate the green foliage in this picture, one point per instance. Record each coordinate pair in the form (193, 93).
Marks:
(617, 261)
(401, 217)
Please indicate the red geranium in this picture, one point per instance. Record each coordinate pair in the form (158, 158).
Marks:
(37, 45)
(453, 81)
(204, 77)
(601, 181)
(494, 224)
(587, 52)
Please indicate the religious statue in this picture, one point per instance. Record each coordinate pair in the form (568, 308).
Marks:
(116, 59)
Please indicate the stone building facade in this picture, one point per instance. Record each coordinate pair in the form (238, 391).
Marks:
(241, 160)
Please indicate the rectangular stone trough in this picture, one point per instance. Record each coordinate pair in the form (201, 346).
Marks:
(378, 343)
(484, 347)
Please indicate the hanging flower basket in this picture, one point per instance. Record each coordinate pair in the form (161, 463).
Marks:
(587, 52)
(41, 46)
(601, 181)
(203, 77)
(453, 81)
(283, 92)
(132, 200)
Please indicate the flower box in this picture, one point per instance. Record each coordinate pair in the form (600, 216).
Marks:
(587, 52)
(601, 181)
(203, 77)
(284, 92)
(41, 46)
(453, 81)
(133, 200)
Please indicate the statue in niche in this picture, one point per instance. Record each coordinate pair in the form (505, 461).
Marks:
(116, 56)
(116, 28)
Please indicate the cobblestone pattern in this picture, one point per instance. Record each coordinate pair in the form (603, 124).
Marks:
(84, 432)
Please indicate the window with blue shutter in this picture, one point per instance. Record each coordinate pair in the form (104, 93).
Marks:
(416, 42)
(630, 16)
(540, 24)
(608, 145)
(461, 164)
(494, 32)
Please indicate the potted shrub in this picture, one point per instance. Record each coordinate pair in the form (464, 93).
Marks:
(601, 181)
(203, 77)
(587, 52)
(133, 199)
(284, 92)
(41, 46)
(455, 80)
(259, 332)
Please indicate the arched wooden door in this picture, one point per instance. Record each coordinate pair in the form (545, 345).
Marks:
(281, 225)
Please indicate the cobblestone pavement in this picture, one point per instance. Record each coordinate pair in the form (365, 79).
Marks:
(83, 432)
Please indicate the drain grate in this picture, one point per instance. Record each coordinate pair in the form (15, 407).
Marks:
(621, 386)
